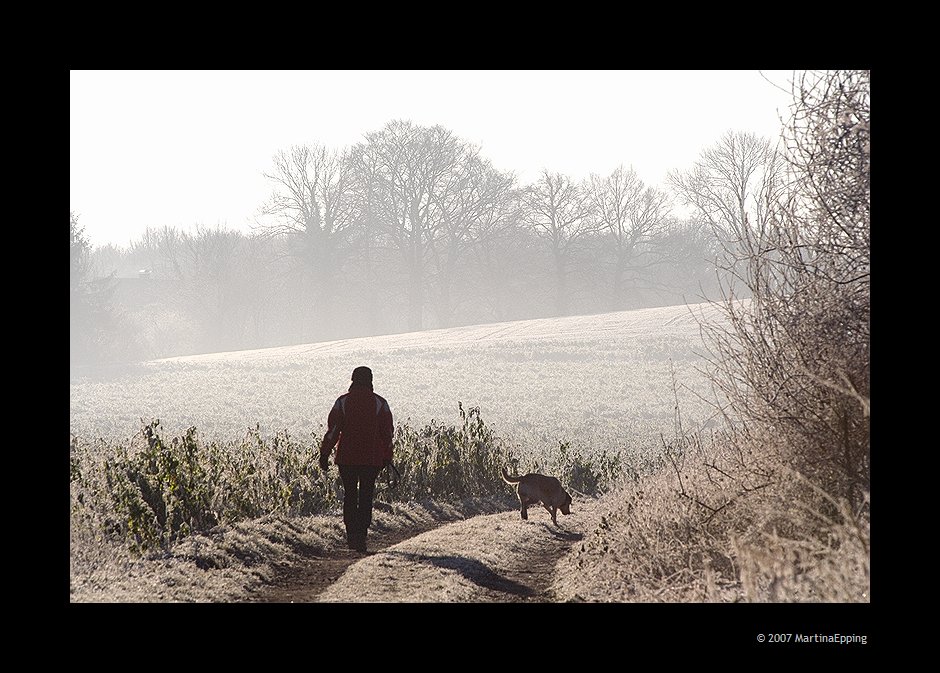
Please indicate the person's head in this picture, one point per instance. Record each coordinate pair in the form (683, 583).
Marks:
(362, 376)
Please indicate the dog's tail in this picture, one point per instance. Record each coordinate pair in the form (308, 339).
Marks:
(508, 479)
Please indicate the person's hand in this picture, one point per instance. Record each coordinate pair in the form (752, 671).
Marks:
(324, 462)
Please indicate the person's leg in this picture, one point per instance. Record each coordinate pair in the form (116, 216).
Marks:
(367, 476)
(350, 476)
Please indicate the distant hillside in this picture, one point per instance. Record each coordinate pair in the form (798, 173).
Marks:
(604, 380)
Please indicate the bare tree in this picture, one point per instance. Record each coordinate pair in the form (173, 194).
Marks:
(499, 255)
(312, 205)
(684, 260)
(795, 358)
(258, 290)
(210, 289)
(470, 210)
(411, 169)
(734, 186)
(829, 144)
(560, 212)
(370, 279)
(91, 317)
(209, 279)
(160, 250)
(631, 215)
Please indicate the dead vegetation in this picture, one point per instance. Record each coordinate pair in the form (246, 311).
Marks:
(777, 506)
(722, 521)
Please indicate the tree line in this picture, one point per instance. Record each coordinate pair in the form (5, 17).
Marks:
(413, 228)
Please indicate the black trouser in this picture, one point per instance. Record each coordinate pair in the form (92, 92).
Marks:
(359, 488)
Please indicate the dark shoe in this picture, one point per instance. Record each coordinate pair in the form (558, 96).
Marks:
(359, 543)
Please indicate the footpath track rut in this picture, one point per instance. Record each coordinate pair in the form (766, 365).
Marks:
(496, 558)
(303, 582)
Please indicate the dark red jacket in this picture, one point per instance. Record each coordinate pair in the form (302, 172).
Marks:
(360, 426)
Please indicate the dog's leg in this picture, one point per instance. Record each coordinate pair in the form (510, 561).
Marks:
(524, 508)
(554, 511)
(551, 510)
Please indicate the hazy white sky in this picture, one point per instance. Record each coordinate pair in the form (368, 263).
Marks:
(180, 148)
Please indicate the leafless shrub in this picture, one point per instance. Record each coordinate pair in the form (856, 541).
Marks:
(776, 506)
(722, 521)
(794, 358)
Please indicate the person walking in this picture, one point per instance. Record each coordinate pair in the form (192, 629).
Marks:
(360, 427)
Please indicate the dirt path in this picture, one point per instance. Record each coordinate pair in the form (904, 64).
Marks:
(491, 558)
(303, 582)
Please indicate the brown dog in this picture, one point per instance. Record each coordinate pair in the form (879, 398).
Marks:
(533, 488)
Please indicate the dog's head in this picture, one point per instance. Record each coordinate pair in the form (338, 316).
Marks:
(566, 505)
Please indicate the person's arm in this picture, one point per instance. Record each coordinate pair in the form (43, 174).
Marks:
(386, 429)
(334, 423)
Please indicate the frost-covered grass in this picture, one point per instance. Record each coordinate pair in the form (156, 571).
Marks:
(601, 382)
(584, 398)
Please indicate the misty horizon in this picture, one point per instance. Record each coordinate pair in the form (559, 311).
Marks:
(411, 229)
(202, 139)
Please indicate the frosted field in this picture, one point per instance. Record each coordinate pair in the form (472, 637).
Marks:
(601, 382)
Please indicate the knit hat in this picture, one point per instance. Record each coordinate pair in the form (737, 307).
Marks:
(362, 375)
